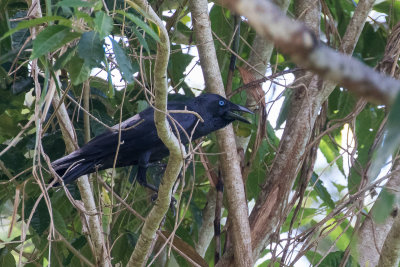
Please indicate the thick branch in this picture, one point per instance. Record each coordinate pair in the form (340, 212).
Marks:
(371, 237)
(391, 247)
(226, 139)
(176, 150)
(294, 39)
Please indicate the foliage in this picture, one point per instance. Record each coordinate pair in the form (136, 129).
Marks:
(77, 45)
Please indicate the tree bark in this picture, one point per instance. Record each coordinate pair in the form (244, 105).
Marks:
(176, 149)
(231, 170)
(302, 44)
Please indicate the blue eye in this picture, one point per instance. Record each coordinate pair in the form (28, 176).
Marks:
(221, 103)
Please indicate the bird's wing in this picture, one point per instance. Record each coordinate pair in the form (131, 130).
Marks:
(138, 136)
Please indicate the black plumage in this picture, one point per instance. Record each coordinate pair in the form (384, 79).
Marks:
(140, 144)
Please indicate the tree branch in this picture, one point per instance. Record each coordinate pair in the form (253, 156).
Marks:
(301, 43)
(226, 139)
(176, 150)
(294, 39)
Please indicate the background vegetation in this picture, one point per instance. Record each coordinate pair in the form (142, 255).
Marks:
(94, 61)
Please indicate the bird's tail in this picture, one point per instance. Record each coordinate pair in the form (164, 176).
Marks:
(70, 167)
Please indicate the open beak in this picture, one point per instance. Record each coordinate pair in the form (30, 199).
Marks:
(231, 114)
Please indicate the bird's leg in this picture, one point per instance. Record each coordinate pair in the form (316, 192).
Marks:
(143, 163)
(141, 178)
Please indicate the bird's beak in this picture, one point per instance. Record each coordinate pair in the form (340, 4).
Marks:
(231, 114)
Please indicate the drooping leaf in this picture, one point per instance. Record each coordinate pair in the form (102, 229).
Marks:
(90, 49)
(78, 70)
(103, 24)
(335, 258)
(285, 108)
(383, 206)
(65, 58)
(389, 7)
(141, 40)
(34, 22)
(41, 218)
(304, 217)
(141, 24)
(367, 125)
(59, 222)
(321, 190)
(123, 61)
(331, 152)
(177, 64)
(52, 38)
(390, 141)
(78, 243)
(6, 258)
(75, 3)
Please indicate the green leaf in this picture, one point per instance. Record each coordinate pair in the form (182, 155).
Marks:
(340, 104)
(65, 58)
(78, 70)
(86, 17)
(6, 258)
(52, 38)
(222, 25)
(141, 40)
(75, 3)
(390, 142)
(331, 152)
(41, 218)
(90, 49)
(77, 244)
(6, 44)
(389, 7)
(35, 22)
(177, 64)
(141, 105)
(141, 24)
(334, 259)
(285, 108)
(367, 125)
(103, 24)
(123, 61)
(321, 190)
(304, 216)
(313, 257)
(59, 222)
(383, 206)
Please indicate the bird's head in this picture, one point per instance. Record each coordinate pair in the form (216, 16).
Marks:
(217, 111)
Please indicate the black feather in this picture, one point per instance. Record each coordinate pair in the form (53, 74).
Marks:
(140, 144)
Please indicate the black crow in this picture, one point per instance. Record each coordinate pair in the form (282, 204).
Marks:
(140, 144)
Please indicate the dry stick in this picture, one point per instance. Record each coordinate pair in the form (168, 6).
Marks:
(35, 7)
(262, 80)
